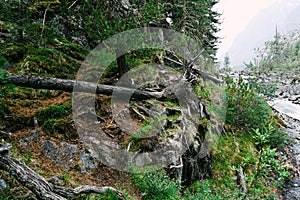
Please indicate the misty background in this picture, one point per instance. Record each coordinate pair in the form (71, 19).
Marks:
(283, 15)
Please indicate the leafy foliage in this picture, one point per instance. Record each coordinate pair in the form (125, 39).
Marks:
(246, 109)
(269, 166)
(53, 37)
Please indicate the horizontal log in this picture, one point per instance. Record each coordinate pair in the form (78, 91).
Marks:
(42, 82)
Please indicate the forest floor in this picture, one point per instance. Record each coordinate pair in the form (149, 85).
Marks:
(28, 138)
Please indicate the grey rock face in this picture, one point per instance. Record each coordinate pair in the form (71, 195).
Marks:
(293, 194)
(66, 153)
(89, 160)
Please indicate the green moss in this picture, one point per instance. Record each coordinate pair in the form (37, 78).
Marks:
(171, 103)
(55, 125)
(52, 119)
(58, 111)
(47, 61)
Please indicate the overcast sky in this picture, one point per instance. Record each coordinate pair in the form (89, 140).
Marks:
(236, 15)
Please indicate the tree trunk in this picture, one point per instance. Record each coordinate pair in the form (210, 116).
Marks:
(42, 82)
(121, 61)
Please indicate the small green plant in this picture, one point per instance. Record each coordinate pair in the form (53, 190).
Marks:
(270, 135)
(156, 185)
(66, 178)
(269, 166)
(28, 157)
(150, 127)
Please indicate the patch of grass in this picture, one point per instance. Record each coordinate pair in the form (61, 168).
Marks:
(202, 92)
(66, 178)
(264, 174)
(150, 127)
(156, 185)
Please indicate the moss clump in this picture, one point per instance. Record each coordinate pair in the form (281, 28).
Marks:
(52, 118)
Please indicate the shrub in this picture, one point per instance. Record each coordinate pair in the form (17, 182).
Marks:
(156, 185)
(246, 109)
(58, 111)
(269, 166)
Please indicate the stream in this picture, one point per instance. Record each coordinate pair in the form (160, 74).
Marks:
(289, 112)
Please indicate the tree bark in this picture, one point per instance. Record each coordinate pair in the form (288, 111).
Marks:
(39, 185)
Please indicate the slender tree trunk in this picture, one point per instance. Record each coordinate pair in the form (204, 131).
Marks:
(121, 61)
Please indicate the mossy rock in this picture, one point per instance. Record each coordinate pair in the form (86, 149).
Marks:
(56, 119)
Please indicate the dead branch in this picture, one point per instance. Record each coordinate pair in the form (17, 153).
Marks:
(190, 67)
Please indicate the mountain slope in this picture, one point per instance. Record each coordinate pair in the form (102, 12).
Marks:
(262, 28)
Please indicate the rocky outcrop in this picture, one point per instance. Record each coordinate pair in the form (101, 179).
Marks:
(64, 154)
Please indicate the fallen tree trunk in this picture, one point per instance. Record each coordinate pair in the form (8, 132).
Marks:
(39, 185)
(42, 82)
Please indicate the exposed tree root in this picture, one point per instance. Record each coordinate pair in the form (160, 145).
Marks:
(39, 185)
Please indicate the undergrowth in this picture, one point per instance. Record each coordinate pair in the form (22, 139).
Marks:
(249, 145)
